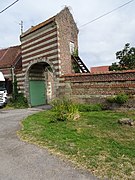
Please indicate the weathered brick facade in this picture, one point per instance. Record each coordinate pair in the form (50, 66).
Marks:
(67, 32)
(96, 87)
(46, 53)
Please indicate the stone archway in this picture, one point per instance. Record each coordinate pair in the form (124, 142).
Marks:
(40, 82)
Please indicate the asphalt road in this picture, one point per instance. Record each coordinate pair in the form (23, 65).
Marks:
(22, 161)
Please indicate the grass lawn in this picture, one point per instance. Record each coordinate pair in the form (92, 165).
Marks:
(95, 141)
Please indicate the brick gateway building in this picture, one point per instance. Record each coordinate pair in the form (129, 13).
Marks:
(46, 55)
(44, 66)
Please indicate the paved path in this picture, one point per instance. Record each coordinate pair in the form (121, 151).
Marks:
(22, 161)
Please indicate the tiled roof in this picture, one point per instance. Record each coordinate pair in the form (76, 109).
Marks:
(99, 69)
(34, 28)
(9, 56)
(2, 52)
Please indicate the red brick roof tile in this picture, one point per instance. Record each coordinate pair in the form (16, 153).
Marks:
(2, 52)
(99, 69)
(34, 28)
(9, 56)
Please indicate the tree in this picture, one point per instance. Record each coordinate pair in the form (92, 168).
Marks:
(126, 59)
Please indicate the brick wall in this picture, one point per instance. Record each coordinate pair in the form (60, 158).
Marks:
(95, 87)
(67, 32)
(20, 81)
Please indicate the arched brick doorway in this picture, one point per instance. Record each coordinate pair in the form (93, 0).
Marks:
(40, 82)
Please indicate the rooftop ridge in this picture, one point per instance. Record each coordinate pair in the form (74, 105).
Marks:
(40, 25)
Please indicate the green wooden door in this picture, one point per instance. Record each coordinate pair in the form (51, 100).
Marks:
(37, 93)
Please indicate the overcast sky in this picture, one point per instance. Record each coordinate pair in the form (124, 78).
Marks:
(98, 41)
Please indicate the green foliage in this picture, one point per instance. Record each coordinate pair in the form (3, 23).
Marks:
(114, 67)
(65, 110)
(19, 102)
(126, 59)
(119, 99)
(111, 99)
(75, 53)
(89, 107)
(75, 67)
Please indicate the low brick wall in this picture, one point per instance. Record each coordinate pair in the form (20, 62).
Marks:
(94, 88)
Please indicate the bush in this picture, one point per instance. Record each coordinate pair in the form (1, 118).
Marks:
(65, 110)
(89, 107)
(111, 99)
(119, 99)
(19, 102)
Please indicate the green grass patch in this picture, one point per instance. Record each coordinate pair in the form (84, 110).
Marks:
(95, 141)
(90, 107)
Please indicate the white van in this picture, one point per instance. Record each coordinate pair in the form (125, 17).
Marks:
(3, 91)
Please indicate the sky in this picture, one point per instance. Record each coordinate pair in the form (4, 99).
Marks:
(98, 41)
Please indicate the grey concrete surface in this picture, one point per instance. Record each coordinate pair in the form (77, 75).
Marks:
(22, 161)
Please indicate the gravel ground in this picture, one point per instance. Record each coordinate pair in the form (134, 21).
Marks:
(22, 161)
